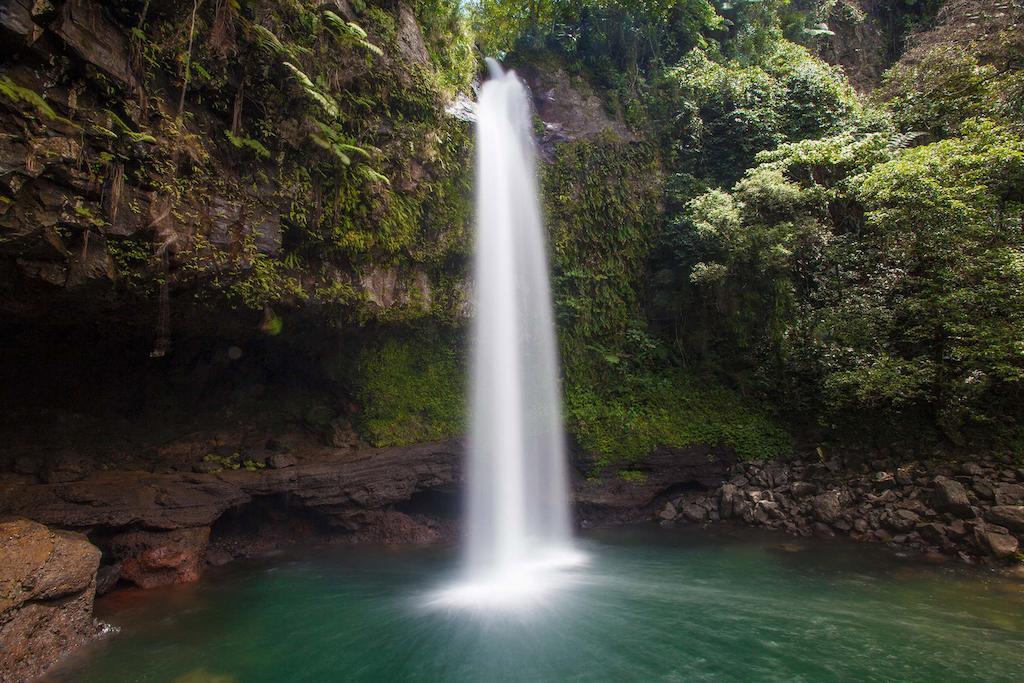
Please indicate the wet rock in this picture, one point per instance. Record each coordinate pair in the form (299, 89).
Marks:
(160, 558)
(822, 530)
(933, 533)
(902, 520)
(278, 461)
(1009, 494)
(827, 506)
(107, 577)
(669, 512)
(999, 544)
(727, 500)
(883, 480)
(949, 495)
(694, 513)
(972, 469)
(47, 587)
(1009, 516)
(904, 476)
(983, 489)
(767, 511)
(803, 489)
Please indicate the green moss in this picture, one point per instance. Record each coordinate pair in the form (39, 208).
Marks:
(411, 392)
(669, 408)
(603, 201)
(18, 94)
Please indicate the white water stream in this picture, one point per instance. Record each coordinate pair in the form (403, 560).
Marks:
(518, 536)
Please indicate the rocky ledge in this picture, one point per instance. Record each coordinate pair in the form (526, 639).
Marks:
(972, 510)
(164, 527)
(159, 528)
(47, 585)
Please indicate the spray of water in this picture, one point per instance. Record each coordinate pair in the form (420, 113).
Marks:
(518, 534)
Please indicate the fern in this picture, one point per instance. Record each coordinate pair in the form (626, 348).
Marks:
(349, 33)
(325, 101)
(125, 130)
(272, 45)
(242, 142)
(373, 176)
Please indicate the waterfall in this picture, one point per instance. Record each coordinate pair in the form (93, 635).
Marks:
(517, 523)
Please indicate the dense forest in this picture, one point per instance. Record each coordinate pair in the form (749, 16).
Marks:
(751, 245)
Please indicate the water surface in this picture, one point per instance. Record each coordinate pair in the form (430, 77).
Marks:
(652, 605)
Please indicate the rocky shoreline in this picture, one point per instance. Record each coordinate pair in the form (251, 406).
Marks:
(106, 529)
(973, 511)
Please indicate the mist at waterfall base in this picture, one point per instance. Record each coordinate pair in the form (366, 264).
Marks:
(518, 542)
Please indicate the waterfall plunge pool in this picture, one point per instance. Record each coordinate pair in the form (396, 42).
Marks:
(650, 605)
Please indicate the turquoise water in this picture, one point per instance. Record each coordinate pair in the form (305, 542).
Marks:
(653, 605)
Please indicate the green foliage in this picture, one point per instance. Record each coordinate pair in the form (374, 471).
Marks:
(242, 142)
(669, 408)
(410, 390)
(713, 117)
(348, 33)
(884, 278)
(602, 199)
(18, 94)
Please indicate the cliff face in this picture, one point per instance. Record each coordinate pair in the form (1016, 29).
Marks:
(159, 161)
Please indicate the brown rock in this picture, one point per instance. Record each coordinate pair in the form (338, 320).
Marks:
(948, 495)
(1009, 516)
(47, 587)
(998, 544)
(694, 513)
(802, 489)
(827, 506)
(933, 533)
(160, 558)
(1009, 494)
(279, 461)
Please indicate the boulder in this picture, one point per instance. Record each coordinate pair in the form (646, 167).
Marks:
(728, 496)
(883, 480)
(1009, 516)
(949, 495)
(972, 469)
(902, 521)
(47, 588)
(694, 513)
(1009, 494)
(933, 533)
(998, 544)
(802, 489)
(279, 461)
(669, 512)
(827, 506)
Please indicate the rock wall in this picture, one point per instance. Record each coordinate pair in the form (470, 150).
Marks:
(973, 510)
(155, 528)
(136, 188)
(47, 587)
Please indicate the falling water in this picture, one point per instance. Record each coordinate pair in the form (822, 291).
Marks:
(518, 533)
